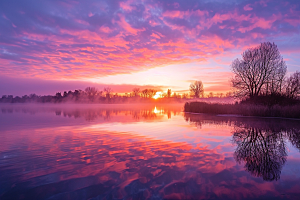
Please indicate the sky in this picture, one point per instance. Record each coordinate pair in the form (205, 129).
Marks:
(51, 46)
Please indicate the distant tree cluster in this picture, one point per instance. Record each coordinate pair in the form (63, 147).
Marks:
(262, 72)
(91, 95)
(148, 93)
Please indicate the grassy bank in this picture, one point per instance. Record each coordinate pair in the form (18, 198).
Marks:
(244, 109)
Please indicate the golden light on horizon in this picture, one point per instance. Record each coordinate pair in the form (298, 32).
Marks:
(157, 95)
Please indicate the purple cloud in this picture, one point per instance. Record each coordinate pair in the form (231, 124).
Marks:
(68, 39)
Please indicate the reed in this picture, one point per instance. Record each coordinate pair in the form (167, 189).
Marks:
(292, 111)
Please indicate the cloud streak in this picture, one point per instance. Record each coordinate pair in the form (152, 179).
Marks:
(88, 39)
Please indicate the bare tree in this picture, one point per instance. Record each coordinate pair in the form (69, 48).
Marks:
(196, 89)
(148, 93)
(185, 96)
(91, 92)
(228, 94)
(151, 93)
(169, 93)
(260, 71)
(136, 92)
(65, 94)
(100, 93)
(108, 91)
(57, 95)
(144, 93)
(292, 88)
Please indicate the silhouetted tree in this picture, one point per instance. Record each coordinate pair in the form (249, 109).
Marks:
(260, 71)
(107, 91)
(100, 93)
(220, 95)
(151, 93)
(185, 95)
(228, 94)
(293, 85)
(169, 93)
(33, 96)
(196, 89)
(136, 92)
(91, 93)
(145, 93)
(76, 95)
(57, 95)
(25, 97)
(65, 94)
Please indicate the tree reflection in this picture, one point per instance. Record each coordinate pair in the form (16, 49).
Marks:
(93, 113)
(263, 151)
(260, 143)
(294, 137)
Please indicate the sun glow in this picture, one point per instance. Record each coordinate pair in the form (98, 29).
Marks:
(157, 95)
(156, 111)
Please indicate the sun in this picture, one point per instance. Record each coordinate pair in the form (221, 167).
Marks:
(157, 95)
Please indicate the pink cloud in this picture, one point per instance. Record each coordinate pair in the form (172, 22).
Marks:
(184, 14)
(126, 6)
(247, 7)
(106, 38)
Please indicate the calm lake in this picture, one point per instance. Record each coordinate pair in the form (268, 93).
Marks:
(144, 152)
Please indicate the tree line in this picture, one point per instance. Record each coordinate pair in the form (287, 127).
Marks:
(91, 95)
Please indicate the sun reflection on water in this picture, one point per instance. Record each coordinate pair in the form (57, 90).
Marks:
(158, 111)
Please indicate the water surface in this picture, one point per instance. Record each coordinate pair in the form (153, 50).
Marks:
(144, 152)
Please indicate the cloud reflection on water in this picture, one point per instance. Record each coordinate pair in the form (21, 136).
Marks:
(94, 161)
(260, 143)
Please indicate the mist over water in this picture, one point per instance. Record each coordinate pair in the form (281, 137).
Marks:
(144, 152)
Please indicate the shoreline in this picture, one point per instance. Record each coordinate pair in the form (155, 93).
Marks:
(244, 110)
(242, 116)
